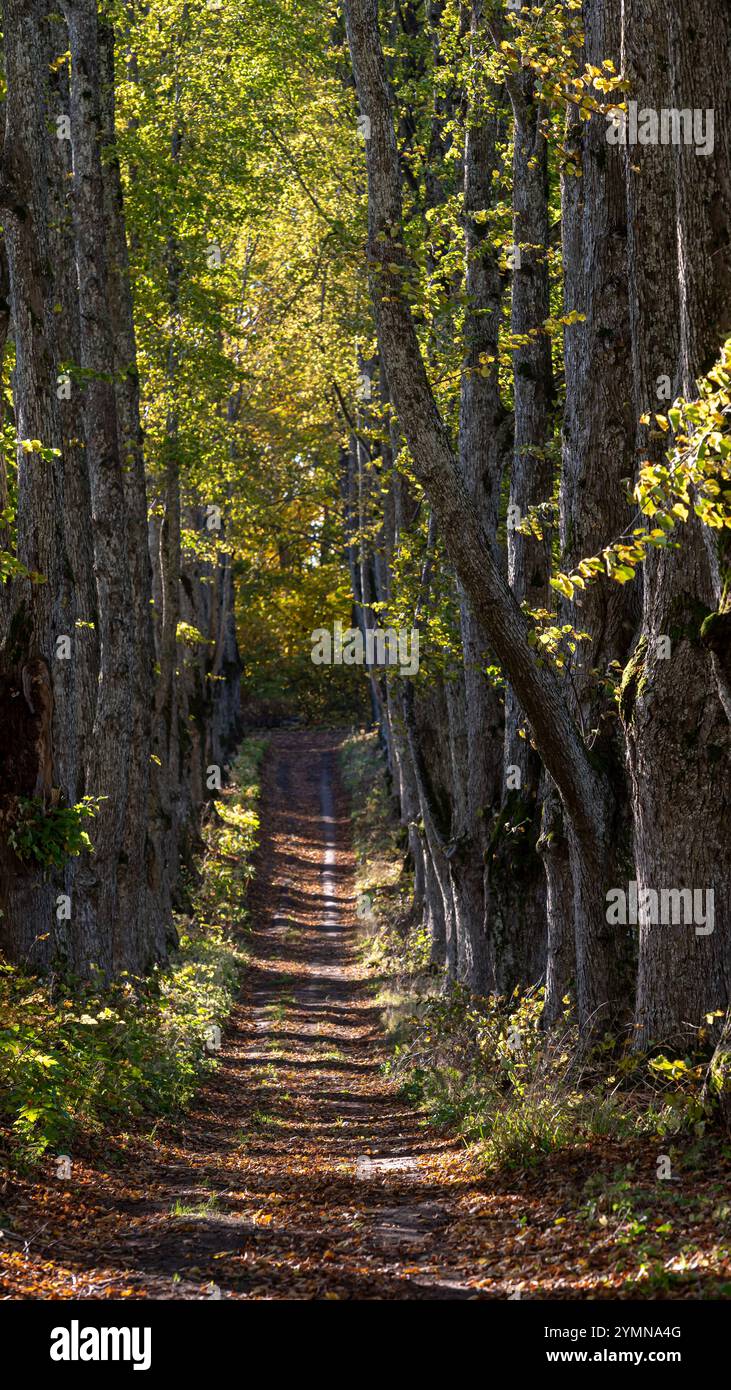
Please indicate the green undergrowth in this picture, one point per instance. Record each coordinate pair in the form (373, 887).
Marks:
(483, 1067)
(77, 1059)
(378, 840)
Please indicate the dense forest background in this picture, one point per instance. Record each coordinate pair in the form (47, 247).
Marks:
(408, 316)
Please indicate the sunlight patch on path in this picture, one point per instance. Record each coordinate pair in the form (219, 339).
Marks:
(366, 1167)
(327, 806)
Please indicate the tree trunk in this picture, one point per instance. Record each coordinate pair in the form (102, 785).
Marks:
(103, 937)
(559, 742)
(149, 914)
(485, 434)
(598, 452)
(36, 689)
(677, 731)
(516, 870)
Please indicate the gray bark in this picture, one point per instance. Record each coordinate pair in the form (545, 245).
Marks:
(677, 731)
(36, 690)
(484, 438)
(516, 872)
(471, 551)
(598, 452)
(147, 913)
(101, 935)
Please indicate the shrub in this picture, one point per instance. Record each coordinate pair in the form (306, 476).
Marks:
(51, 836)
(75, 1062)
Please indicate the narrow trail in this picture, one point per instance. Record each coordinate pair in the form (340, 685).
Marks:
(299, 1173)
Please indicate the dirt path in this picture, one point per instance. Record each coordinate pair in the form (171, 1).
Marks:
(299, 1173)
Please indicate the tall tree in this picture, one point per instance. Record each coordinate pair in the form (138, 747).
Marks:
(583, 789)
(677, 730)
(36, 686)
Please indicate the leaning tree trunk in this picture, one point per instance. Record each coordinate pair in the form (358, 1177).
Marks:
(600, 988)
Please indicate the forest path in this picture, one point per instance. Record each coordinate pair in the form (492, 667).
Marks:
(299, 1172)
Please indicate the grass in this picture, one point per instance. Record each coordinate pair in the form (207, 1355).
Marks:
(260, 1119)
(278, 1010)
(378, 839)
(207, 1207)
(82, 1058)
(395, 947)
